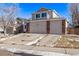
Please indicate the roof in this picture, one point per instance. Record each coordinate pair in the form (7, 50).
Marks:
(45, 9)
(42, 9)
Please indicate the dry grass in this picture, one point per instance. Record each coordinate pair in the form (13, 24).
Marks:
(64, 42)
(6, 53)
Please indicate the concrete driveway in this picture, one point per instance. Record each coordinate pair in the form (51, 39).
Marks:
(39, 44)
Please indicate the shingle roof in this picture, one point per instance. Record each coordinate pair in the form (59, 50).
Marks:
(42, 9)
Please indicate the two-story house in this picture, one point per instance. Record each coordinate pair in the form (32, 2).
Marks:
(47, 21)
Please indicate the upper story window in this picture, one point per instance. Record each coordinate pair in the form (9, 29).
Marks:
(41, 15)
(37, 15)
(44, 15)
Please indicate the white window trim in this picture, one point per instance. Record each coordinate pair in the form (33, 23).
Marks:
(41, 15)
(35, 16)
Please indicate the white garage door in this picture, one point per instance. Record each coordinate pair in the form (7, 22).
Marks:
(56, 27)
(38, 27)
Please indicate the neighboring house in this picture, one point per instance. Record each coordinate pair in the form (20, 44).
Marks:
(21, 25)
(12, 27)
(47, 21)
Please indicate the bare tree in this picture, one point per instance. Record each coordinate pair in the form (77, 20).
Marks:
(8, 14)
(74, 13)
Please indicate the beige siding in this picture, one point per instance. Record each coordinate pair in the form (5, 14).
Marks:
(55, 15)
(56, 27)
(38, 27)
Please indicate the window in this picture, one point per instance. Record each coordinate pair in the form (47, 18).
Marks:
(37, 15)
(44, 14)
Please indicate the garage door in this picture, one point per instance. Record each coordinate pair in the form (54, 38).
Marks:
(56, 27)
(38, 27)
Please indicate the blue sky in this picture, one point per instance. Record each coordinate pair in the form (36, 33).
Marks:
(28, 8)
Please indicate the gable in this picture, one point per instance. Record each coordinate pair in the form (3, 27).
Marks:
(42, 9)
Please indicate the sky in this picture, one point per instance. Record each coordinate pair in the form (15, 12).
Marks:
(26, 9)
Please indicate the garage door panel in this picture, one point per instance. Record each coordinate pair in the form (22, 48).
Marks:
(56, 27)
(38, 27)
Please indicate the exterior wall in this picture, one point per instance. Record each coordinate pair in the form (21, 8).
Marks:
(50, 14)
(38, 27)
(55, 15)
(56, 27)
(66, 26)
(51, 27)
(33, 16)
